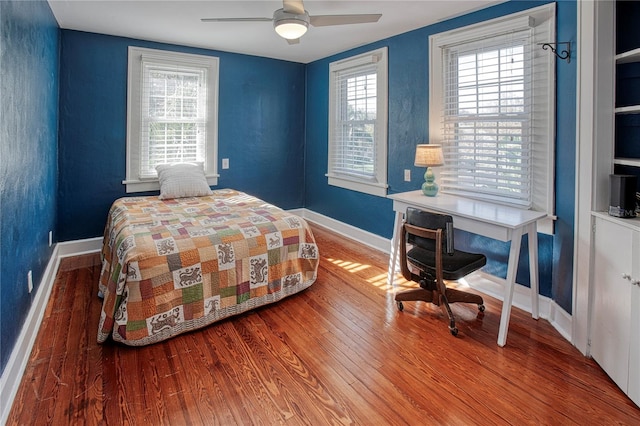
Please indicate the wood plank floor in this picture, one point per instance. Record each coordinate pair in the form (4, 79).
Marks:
(337, 353)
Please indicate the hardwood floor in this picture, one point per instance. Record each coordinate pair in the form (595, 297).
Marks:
(337, 353)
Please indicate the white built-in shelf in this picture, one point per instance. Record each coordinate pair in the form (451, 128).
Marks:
(628, 57)
(634, 162)
(633, 109)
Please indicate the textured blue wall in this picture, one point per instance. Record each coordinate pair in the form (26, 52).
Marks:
(261, 128)
(29, 58)
(408, 126)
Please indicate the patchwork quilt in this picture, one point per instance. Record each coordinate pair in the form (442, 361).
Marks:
(170, 266)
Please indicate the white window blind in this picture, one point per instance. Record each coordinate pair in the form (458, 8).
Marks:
(358, 123)
(355, 130)
(492, 108)
(174, 113)
(488, 107)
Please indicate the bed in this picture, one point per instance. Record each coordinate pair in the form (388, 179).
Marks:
(174, 265)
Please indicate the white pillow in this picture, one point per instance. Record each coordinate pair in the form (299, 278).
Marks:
(182, 180)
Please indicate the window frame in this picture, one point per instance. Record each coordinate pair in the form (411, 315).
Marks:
(133, 181)
(542, 21)
(378, 184)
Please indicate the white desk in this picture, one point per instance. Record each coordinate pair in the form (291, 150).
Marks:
(498, 222)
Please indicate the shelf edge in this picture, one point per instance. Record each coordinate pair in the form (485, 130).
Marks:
(628, 56)
(634, 162)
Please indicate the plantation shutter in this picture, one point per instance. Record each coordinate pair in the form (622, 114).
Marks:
(173, 115)
(354, 149)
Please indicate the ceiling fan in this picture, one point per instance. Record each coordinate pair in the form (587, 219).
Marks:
(292, 21)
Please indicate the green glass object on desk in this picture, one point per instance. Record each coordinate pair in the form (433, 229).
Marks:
(429, 187)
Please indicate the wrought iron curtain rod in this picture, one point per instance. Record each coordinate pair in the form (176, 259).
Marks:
(565, 54)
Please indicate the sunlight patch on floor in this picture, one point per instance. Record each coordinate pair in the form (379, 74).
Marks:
(381, 282)
(349, 266)
(400, 283)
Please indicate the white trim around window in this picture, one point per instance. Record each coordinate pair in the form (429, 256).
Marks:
(357, 154)
(492, 107)
(188, 114)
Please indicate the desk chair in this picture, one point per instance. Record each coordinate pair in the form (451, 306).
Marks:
(433, 256)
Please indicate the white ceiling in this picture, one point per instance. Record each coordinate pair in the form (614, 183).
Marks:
(178, 22)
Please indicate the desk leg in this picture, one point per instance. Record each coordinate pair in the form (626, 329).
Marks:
(512, 269)
(393, 254)
(533, 268)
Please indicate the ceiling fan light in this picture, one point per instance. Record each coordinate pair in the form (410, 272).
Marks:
(291, 29)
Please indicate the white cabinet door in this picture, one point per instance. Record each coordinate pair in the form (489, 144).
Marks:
(634, 349)
(611, 316)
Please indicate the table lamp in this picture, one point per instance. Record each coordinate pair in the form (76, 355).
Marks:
(429, 155)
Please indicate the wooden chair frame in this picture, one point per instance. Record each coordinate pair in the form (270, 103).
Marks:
(441, 295)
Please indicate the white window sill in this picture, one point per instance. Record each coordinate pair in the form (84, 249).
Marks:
(372, 188)
(154, 184)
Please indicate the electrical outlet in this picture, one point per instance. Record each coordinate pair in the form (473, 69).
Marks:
(30, 281)
(407, 175)
(225, 163)
(50, 238)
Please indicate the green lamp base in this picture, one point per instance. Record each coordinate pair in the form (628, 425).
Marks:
(429, 187)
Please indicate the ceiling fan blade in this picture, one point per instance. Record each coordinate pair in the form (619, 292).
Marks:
(293, 41)
(236, 19)
(293, 6)
(326, 20)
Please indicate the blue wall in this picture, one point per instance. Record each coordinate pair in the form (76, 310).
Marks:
(261, 128)
(29, 49)
(408, 126)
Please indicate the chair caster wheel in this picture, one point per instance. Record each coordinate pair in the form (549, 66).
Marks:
(454, 331)
(481, 308)
(400, 306)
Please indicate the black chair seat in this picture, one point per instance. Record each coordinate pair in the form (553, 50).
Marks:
(454, 266)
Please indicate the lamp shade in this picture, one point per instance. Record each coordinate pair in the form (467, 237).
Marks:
(429, 155)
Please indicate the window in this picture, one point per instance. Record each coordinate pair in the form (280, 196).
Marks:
(358, 123)
(172, 102)
(492, 107)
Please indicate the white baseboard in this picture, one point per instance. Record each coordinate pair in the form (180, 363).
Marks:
(547, 308)
(12, 375)
(79, 247)
(367, 238)
(561, 320)
(494, 287)
(14, 370)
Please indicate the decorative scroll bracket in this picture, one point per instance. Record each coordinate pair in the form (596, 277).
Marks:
(565, 54)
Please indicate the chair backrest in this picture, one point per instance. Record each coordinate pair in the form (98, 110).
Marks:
(431, 220)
